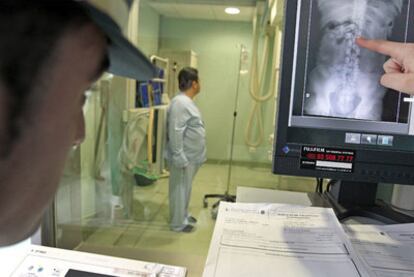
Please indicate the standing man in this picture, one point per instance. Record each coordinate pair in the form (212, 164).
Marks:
(186, 149)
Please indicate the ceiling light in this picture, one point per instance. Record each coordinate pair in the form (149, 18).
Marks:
(232, 10)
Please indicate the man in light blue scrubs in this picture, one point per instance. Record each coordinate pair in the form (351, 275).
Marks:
(186, 149)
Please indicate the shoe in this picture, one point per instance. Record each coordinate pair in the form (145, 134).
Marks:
(192, 219)
(188, 229)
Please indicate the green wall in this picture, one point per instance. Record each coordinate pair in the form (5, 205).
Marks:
(217, 44)
(148, 29)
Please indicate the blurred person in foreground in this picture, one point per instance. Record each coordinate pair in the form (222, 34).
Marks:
(50, 53)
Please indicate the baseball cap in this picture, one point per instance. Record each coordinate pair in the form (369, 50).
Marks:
(125, 59)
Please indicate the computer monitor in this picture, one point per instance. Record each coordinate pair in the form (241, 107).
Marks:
(334, 119)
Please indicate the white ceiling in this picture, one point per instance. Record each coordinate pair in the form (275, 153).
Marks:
(204, 9)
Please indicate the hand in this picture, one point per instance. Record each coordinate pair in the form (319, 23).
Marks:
(399, 69)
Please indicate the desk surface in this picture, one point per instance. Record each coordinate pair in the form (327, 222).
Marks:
(255, 195)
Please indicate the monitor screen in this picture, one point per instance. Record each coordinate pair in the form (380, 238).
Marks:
(334, 119)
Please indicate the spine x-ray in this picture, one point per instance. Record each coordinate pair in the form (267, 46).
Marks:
(342, 80)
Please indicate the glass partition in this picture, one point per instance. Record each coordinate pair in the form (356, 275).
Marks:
(113, 196)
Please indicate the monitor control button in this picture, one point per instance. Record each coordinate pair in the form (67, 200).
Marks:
(385, 140)
(353, 138)
(369, 139)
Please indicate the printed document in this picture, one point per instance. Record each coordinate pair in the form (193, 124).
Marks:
(279, 240)
(386, 250)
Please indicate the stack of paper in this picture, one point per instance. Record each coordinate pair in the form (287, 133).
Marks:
(386, 251)
(279, 240)
(285, 240)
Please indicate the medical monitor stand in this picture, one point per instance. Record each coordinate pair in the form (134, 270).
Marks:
(359, 199)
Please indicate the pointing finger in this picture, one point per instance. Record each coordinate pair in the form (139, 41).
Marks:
(389, 48)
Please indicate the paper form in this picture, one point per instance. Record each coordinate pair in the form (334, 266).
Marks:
(279, 240)
(386, 250)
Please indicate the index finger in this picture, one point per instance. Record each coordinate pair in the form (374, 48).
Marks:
(389, 48)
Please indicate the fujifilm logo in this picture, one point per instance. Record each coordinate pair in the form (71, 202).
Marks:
(313, 149)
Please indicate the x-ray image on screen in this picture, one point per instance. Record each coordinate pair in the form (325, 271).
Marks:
(342, 80)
